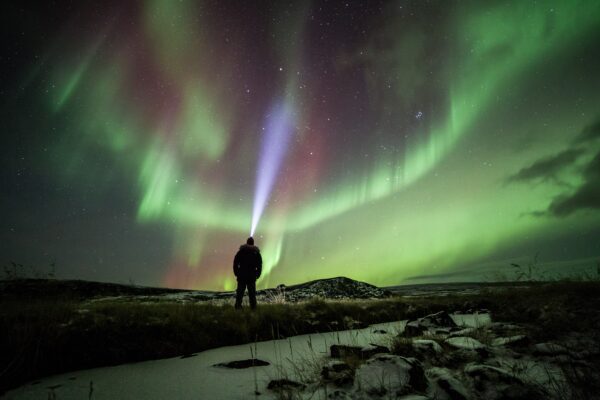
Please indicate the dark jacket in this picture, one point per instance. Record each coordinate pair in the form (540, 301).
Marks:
(247, 263)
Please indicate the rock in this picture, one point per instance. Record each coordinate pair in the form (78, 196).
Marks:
(380, 331)
(549, 349)
(241, 364)
(334, 366)
(344, 351)
(338, 395)
(439, 319)
(391, 375)
(338, 372)
(496, 383)
(446, 385)
(438, 323)
(462, 332)
(413, 328)
(284, 384)
(440, 331)
(516, 340)
(372, 349)
(465, 342)
(427, 346)
(460, 357)
(505, 329)
(474, 320)
(491, 373)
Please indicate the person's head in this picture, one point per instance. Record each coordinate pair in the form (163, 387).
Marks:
(250, 241)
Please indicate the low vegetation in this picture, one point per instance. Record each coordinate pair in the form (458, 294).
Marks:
(43, 335)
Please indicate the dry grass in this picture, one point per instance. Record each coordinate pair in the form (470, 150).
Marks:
(47, 335)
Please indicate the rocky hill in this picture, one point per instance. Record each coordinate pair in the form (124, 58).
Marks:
(339, 288)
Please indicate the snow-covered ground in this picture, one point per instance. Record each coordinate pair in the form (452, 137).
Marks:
(197, 377)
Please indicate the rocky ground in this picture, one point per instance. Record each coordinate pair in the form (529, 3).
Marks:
(437, 357)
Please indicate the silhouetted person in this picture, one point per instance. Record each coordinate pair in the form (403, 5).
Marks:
(247, 266)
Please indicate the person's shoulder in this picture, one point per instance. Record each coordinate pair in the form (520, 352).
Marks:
(249, 248)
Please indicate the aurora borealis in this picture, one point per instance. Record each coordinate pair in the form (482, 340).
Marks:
(388, 142)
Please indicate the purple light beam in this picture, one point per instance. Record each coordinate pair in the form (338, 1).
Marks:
(274, 146)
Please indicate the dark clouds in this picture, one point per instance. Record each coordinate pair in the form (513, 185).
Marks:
(589, 133)
(547, 168)
(587, 196)
(584, 197)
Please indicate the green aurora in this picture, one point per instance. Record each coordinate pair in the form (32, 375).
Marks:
(440, 139)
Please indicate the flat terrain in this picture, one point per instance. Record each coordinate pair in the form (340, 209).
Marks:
(50, 327)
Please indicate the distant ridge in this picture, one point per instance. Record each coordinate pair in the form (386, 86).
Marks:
(337, 288)
(41, 288)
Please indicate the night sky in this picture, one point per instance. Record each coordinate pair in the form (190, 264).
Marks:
(390, 142)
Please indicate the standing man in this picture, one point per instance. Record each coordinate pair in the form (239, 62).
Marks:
(247, 266)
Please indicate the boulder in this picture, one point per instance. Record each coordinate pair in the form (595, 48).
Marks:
(462, 332)
(438, 323)
(474, 320)
(339, 395)
(446, 386)
(459, 357)
(490, 373)
(344, 351)
(439, 319)
(516, 340)
(427, 346)
(284, 384)
(241, 364)
(338, 372)
(440, 331)
(390, 375)
(496, 383)
(414, 328)
(465, 342)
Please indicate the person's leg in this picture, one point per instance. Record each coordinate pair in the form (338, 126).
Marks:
(239, 293)
(252, 293)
